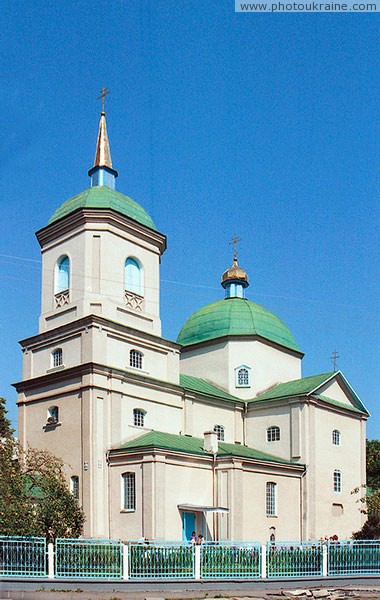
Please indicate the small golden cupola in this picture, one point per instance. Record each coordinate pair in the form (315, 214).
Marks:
(235, 279)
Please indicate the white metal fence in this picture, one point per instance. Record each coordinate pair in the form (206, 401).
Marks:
(113, 559)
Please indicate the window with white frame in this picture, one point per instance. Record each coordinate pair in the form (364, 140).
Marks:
(128, 491)
(271, 499)
(336, 437)
(62, 274)
(135, 359)
(243, 376)
(219, 430)
(52, 415)
(138, 417)
(74, 486)
(273, 434)
(134, 276)
(57, 358)
(337, 480)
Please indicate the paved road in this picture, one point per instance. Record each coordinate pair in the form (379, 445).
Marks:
(334, 589)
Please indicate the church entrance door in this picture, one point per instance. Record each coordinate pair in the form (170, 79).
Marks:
(188, 525)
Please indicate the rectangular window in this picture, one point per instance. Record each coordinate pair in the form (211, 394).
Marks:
(129, 491)
(74, 486)
(57, 358)
(135, 359)
(271, 499)
(337, 481)
(138, 417)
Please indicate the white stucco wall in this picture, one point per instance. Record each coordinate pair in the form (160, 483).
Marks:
(97, 254)
(217, 362)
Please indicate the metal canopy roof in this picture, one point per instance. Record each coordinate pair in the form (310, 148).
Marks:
(200, 508)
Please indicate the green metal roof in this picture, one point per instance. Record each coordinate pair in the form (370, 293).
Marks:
(235, 316)
(336, 403)
(104, 197)
(194, 384)
(297, 387)
(308, 386)
(191, 445)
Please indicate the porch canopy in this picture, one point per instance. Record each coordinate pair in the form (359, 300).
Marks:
(200, 508)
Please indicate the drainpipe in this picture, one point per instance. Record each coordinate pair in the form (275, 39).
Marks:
(210, 444)
(301, 502)
(108, 492)
(245, 423)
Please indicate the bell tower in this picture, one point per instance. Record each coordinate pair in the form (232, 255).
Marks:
(101, 254)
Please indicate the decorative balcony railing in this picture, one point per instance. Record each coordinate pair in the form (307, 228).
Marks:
(62, 298)
(134, 301)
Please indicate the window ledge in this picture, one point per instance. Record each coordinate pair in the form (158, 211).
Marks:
(127, 510)
(55, 369)
(136, 370)
(143, 428)
(272, 516)
(51, 426)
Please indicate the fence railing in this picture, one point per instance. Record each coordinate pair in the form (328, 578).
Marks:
(289, 559)
(354, 558)
(225, 561)
(23, 557)
(113, 559)
(161, 561)
(80, 558)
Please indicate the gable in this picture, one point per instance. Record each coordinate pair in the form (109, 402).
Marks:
(333, 390)
(337, 391)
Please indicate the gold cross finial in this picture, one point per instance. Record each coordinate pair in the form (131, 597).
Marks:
(234, 241)
(103, 94)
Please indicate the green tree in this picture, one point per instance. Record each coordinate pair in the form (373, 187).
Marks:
(370, 529)
(5, 424)
(373, 464)
(34, 498)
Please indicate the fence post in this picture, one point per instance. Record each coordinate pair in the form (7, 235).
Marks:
(324, 560)
(50, 561)
(197, 558)
(263, 573)
(125, 562)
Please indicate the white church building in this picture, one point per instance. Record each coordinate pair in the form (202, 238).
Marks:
(217, 432)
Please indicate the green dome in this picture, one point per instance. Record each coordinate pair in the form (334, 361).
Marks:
(235, 316)
(104, 197)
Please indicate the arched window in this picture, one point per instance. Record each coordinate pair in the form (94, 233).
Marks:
(134, 277)
(74, 486)
(57, 358)
(271, 499)
(62, 274)
(128, 491)
(243, 376)
(135, 359)
(273, 434)
(219, 430)
(337, 480)
(138, 417)
(336, 437)
(53, 414)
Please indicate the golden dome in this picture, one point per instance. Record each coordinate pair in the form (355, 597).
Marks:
(235, 273)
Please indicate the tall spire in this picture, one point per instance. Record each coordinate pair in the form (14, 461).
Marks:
(102, 173)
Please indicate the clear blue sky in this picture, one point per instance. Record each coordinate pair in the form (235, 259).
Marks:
(264, 125)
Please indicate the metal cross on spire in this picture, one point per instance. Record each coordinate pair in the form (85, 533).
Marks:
(103, 94)
(234, 241)
(333, 358)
